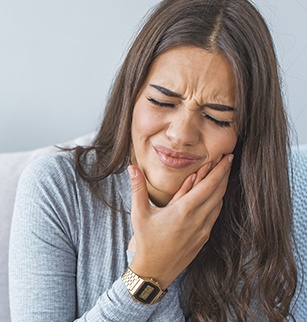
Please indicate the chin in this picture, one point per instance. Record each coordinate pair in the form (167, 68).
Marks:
(168, 185)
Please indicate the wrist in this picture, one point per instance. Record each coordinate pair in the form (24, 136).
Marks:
(148, 270)
(144, 290)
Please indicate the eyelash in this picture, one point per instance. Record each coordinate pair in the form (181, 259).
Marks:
(207, 116)
(217, 122)
(161, 104)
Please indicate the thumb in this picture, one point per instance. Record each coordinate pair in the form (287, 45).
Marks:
(139, 190)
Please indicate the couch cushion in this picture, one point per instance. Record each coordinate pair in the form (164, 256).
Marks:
(11, 167)
(299, 197)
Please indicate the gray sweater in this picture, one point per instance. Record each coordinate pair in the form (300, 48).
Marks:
(68, 250)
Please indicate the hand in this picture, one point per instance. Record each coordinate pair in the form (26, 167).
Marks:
(167, 239)
(190, 182)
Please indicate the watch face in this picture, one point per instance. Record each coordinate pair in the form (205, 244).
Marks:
(147, 292)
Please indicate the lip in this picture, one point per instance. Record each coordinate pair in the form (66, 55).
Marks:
(175, 159)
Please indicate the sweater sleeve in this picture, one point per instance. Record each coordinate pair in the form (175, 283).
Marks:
(43, 254)
(169, 308)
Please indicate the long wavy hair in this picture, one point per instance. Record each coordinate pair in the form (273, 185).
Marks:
(247, 266)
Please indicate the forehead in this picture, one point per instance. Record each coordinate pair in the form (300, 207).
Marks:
(191, 70)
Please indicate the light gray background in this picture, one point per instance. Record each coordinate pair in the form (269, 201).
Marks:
(58, 59)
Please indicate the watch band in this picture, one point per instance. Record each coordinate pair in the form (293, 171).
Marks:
(130, 279)
(143, 290)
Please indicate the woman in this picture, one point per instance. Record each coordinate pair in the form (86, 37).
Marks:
(197, 112)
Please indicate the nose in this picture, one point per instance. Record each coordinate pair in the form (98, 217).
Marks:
(183, 129)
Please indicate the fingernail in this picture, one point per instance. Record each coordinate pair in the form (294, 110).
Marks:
(230, 158)
(132, 172)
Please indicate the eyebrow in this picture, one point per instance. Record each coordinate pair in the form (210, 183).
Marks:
(220, 107)
(166, 91)
(217, 107)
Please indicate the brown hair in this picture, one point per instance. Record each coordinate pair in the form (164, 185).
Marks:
(247, 265)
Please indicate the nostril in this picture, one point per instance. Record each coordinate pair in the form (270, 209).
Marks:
(183, 133)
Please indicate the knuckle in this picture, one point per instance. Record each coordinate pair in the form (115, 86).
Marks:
(183, 210)
(219, 207)
(206, 238)
(138, 186)
(213, 183)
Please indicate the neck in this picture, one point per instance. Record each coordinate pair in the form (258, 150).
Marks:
(159, 198)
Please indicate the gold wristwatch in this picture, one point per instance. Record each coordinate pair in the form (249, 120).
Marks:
(144, 290)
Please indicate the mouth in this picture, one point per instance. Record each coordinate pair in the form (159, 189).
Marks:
(175, 159)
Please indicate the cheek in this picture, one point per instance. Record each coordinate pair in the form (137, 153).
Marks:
(221, 143)
(145, 122)
(142, 124)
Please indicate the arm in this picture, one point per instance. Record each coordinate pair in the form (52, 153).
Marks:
(44, 255)
(166, 240)
(169, 309)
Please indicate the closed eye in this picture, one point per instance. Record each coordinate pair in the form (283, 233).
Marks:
(159, 103)
(220, 123)
(217, 122)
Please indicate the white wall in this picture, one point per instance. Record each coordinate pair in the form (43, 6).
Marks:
(288, 22)
(58, 58)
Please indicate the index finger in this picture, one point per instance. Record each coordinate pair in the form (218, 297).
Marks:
(205, 188)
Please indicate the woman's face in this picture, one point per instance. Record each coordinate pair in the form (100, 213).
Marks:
(183, 118)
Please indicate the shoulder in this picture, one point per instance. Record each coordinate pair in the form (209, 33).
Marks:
(59, 164)
(49, 182)
(47, 172)
(56, 174)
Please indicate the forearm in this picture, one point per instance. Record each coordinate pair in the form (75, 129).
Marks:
(169, 308)
(43, 283)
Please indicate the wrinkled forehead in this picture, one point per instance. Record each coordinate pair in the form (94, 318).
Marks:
(190, 70)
